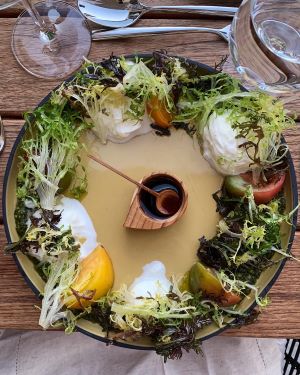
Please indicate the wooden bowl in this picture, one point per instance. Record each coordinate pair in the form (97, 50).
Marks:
(139, 217)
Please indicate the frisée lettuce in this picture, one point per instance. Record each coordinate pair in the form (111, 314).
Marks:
(258, 121)
(237, 130)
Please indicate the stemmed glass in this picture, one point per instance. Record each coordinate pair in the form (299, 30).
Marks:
(265, 44)
(7, 3)
(50, 39)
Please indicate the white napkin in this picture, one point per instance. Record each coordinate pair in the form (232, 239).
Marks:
(54, 353)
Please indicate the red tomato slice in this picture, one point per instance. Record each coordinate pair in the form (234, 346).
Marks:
(263, 192)
(158, 112)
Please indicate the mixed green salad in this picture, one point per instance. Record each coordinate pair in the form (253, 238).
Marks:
(239, 134)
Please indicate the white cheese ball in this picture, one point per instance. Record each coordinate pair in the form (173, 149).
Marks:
(75, 217)
(110, 120)
(221, 147)
(152, 282)
(125, 130)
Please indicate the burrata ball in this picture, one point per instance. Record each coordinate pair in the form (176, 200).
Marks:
(220, 145)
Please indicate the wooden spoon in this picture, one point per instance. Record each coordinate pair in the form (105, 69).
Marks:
(167, 200)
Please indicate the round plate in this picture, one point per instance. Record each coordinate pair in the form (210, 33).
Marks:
(108, 200)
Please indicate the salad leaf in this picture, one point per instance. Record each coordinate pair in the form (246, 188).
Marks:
(200, 89)
(248, 236)
(49, 151)
(107, 109)
(140, 84)
(48, 157)
(63, 272)
(171, 321)
(43, 240)
(22, 215)
(99, 94)
(256, 118)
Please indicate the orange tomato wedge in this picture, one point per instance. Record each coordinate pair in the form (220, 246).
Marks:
(158, 112)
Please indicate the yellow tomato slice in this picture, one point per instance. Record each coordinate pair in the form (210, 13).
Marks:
(203, 279)
(95, 279)
(184, 285)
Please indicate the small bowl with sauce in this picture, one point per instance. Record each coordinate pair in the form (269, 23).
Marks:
(149, 212)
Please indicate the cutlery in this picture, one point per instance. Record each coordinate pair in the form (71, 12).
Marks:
(2, 135)
(115, 14)
(142, 31)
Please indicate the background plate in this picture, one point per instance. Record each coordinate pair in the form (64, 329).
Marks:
(108, 200)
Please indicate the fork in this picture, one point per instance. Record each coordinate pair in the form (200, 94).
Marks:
(129, 32)
(2, 135)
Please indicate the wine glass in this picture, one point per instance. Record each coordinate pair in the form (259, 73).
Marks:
(265, 44)
(7, 3)
(50, 39)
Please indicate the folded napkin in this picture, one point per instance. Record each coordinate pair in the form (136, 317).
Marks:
(54, 353)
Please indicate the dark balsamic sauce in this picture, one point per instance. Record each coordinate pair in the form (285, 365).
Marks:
(171, 204)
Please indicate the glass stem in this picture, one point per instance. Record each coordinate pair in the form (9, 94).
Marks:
(49, 32)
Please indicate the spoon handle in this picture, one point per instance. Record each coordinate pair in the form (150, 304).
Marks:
(141, 31)
(200, 9)
(113, 169)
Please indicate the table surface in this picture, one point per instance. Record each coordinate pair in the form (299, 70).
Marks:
(21, 92)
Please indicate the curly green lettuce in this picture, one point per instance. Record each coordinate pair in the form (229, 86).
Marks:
(256, 119)
(49, 152)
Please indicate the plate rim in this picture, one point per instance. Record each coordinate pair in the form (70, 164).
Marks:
(294, 195)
